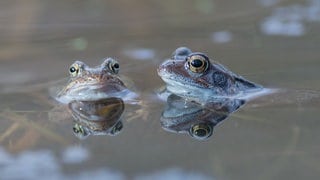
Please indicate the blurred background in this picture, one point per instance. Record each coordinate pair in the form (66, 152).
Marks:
(272, 42)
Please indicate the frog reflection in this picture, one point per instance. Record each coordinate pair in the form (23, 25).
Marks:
(100, 117)
(181, 116)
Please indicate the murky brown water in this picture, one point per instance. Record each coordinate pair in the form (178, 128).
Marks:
(274, 43)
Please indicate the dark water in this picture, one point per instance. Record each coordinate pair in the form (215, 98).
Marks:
(272, 42)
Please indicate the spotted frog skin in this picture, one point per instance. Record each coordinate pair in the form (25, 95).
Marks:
(88, 83)
(192, 75)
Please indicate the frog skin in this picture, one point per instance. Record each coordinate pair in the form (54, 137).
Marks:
(193, 76)
(181, 116)
(88, 83)
(101, 117)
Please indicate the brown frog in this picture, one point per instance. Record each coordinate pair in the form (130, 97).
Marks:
(96, 83)
(193, 76)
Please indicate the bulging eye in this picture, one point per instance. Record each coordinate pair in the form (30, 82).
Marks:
(114, 66)
(201, 131)
(74, 70)
(197, 63)
(79, 131)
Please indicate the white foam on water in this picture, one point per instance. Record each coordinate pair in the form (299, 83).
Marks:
(291, 20)
(221, 37)
(140, 53)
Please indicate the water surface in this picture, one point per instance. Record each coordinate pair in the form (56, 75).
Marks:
(272, 42)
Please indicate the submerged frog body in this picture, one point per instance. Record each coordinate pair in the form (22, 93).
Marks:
(194, 76)
(88, 83)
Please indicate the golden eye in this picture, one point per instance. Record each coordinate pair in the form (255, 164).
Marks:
(74, 70)
(114, 66)
(197, 63)
(201, 131)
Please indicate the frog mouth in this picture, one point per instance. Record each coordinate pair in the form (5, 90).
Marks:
(175, 80)
(180, 88)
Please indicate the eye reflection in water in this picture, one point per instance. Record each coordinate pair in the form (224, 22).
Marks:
(182, 116)
(101, 117)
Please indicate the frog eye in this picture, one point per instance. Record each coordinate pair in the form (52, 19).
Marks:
(79, 131)
(197, 63)
(114, 66)
(201, 131)
(116, 129)
(74, 70)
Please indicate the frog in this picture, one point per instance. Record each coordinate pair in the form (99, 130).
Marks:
(187, 117)
(194, 76)
(98, 117)
(94, 83)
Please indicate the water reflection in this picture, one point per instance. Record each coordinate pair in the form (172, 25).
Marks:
(268, 140)
(221, 37)
(101, 117)
(182, 116)
(291, 20)
(45, 163)
(140, 53)
(75, 155)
